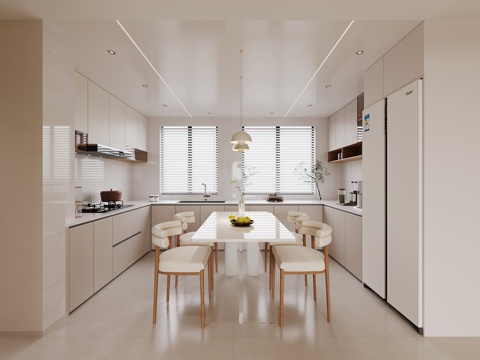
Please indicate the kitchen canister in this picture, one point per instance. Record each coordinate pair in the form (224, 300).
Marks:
(341, 196)
(153, 198)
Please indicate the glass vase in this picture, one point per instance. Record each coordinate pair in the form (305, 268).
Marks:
(241, 207)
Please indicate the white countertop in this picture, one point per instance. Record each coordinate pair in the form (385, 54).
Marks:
(87, 217)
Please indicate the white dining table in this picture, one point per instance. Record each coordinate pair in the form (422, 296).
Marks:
(265, 228)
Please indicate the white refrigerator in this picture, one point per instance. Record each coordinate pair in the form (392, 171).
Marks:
(392, 200)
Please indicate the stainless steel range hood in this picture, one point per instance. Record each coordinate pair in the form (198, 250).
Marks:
(130, 154)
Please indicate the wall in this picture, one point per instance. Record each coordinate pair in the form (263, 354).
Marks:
(58, 135)
(451, 173)
(146, 178)
(348, 172)
(21, 177)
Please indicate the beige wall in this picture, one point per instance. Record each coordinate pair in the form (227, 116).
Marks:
(21, 176)
(451, 173)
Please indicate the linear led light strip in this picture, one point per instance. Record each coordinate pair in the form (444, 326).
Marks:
(153, 67)
(323, 62)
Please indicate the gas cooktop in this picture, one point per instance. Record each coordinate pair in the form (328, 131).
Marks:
(104, 207)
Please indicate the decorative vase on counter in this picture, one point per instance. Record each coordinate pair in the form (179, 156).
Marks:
(241, 206)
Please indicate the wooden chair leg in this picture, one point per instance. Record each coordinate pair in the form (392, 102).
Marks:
(314, 287)
(304, 239)
(272, 273)
(215, 246)
(168, 288)
(266, 258)
(282, 288)
(155, 284)
(327, 282)
(202, 298)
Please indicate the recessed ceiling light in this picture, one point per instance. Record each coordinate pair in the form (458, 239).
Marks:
(271, 113)
(164, 105)
(209, 113)
(145, 86)
(359, 52)
(111, 52)
(328, 85)
(309, 105)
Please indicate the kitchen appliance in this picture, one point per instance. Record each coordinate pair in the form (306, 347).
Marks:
(104, 207)
(392, 212)
(111, 195)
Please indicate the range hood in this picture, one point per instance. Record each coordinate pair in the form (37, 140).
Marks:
(130, 154)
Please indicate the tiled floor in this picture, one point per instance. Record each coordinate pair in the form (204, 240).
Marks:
(116, 324)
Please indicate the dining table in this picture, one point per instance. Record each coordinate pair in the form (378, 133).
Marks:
(265, 227)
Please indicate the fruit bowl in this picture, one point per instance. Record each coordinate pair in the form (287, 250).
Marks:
(235, 223)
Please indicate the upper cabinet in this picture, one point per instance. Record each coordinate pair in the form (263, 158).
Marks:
(98, 115)
(131, 127)
(141, 132)
(81, 103)
(351, 119)
(331, 133)
(340, 128)
(117, 123)
(398, 67)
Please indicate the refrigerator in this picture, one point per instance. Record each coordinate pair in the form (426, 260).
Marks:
(392, 200)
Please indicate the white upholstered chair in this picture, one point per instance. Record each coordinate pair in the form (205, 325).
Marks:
(299, 260)
(186, 260)
(186, 218)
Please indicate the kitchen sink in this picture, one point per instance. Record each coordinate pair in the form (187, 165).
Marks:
(201, 202)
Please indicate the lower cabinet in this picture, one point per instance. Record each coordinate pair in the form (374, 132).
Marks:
(346, 246)
(100, 250)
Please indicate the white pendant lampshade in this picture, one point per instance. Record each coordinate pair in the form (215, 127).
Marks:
(240, 147)
(241, 137)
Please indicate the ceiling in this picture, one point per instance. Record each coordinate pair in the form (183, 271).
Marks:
(194, 47)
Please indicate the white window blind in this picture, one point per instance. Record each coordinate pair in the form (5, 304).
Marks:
(275, 151)
(188, 157)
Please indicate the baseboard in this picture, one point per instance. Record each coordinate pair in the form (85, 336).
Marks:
(21, 334)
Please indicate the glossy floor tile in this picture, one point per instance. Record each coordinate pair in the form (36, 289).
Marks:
(116, 323)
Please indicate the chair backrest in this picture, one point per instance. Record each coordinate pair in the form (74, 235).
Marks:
(321, 231)
(185, 218)
(297, 217)
(162, 231)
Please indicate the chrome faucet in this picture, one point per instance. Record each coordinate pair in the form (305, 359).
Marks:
(205, 195)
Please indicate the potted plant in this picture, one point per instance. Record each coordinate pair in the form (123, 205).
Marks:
(316, 173)
(242, 183)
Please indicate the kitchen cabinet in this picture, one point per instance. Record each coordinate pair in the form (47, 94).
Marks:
(281, 213)
(373, 83)
(404, 62)
(80, 265)
(196, 210)
(353, 244)
(340, 128)
(206, 210)
(331, 133)
(160, 214)
(351, 123)
(130, 238)
(81, 103)
(141, 132)
(130, 127)
(98, 115)
(102, 253)
(117, 123)
(315, 212)
(337, 248)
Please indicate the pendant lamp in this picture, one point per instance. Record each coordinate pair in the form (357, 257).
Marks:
(241, 139)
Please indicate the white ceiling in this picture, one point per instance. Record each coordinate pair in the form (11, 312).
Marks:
(197, 54)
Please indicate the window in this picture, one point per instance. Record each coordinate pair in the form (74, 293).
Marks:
(188, 159)
(275, 151)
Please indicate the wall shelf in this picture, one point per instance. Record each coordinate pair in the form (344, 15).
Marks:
(348, 153)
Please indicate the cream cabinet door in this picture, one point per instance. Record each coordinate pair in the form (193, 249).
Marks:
(98, 115)
(102, 253)
(80, 265)
(353, 250)
(314, 212)
(373, 83)
(340, 128)
(206, 210)
(331, 133)
(117, 123)
(338, 236)
(141, 132)
(130, 127)
(351, 123)
(281, 213)
(81, 102)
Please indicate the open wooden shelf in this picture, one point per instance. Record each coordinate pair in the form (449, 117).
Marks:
(348, 153)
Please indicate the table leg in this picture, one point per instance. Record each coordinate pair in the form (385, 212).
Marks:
(253, 258)
(230, 258)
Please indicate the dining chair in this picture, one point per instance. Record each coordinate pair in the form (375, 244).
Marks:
(300, 260)
(186, 218)
(293, 217)
(186, 260)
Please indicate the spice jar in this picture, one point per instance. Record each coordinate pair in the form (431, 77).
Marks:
(341, 196)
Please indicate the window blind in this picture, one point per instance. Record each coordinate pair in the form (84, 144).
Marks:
(275, 151)
(188, 158)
